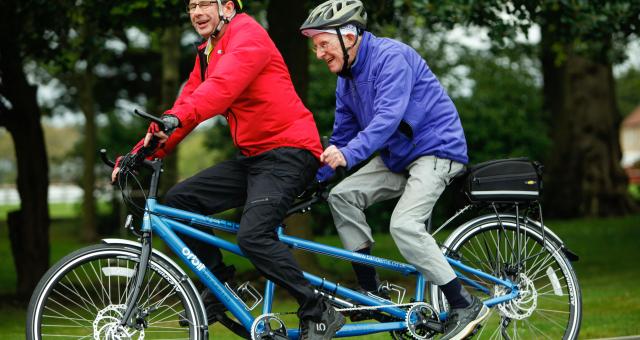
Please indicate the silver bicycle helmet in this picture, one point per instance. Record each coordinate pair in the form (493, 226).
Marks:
(336, 13)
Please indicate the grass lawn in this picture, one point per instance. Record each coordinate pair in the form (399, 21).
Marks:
(607, 272)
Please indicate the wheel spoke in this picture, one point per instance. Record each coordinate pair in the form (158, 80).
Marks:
(543, 274)
(88, 299)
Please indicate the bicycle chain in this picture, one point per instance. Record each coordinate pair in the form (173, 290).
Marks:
(349, 310)
(352, 308)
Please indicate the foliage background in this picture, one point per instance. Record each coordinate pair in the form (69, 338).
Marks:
(92, 61)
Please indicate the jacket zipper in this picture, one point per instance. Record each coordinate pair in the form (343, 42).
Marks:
(497, 178)
(234, 134)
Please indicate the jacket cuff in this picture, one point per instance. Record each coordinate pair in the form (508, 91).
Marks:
(347, 157)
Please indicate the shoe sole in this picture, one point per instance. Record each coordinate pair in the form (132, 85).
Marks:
(336, 327)
(484, 313)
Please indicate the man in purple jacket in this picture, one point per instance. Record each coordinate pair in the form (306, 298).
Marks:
(388, 101)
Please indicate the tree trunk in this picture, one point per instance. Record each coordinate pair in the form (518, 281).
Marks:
(284, 19)
(87, 105)
(170, 42)
(28, 226)
(583, 174)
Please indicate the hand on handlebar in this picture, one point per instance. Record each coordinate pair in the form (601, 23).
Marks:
(116, 169)
(171, 122)
(158, 132)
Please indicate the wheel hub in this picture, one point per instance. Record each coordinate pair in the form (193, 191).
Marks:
(107, 325)
(523, 305)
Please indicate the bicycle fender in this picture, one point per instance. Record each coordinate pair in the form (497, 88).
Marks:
(512, 218)
(173, 264)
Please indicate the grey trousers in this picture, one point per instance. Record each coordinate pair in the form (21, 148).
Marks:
(428, 177)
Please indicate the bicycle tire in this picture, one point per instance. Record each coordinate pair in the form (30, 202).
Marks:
(84, 294)
(553, 311)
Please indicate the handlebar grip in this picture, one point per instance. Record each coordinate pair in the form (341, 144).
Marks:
(341, 173)
(105, 159)
(151, 118)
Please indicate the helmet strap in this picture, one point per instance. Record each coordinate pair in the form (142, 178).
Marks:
(346, 68)
(223, 20)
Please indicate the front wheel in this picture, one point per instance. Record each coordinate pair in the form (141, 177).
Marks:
(549, 305)
(84, 296)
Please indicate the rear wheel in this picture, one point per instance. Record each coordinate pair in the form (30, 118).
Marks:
(84, 296)
(549, 305)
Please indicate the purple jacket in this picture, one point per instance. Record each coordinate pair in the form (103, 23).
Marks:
(395, 105)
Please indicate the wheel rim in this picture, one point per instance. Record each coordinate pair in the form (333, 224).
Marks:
(548, 305)
(87, 296)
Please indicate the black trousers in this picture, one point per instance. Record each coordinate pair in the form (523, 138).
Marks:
(266, 185)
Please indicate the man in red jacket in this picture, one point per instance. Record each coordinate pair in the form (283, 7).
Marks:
(240, 74)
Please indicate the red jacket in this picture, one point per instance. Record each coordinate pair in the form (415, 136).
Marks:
(248, 82)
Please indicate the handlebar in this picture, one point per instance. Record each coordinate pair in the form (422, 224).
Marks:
(105, 159)
(315, 194)
(144, 151)
(151, 118)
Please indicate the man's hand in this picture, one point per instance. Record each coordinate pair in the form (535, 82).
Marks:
(171, 122)
(116, 169)
(120, 161)
(333, 157)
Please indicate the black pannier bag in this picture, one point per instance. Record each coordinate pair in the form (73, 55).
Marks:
(505, 180)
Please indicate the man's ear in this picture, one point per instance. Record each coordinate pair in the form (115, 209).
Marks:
(349, 39)
(228, 8)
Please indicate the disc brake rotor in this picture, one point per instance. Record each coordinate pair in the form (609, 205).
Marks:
(107, 325)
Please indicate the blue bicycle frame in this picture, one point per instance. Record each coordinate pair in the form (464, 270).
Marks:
(160, 220)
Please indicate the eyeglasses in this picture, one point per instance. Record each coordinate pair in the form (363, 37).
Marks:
(203, 5)
(322, 47)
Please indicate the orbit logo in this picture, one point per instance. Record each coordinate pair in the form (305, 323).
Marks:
(193, 259)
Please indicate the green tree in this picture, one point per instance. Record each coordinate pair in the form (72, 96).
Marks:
(580, 41)
(29, 32)
(502, 117)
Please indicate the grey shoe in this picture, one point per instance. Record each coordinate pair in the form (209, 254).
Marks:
(330, 322)
(462, 321)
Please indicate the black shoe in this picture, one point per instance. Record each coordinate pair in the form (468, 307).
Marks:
(462, 321)
(330, 322)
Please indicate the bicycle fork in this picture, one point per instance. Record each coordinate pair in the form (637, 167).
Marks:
(137, 283)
